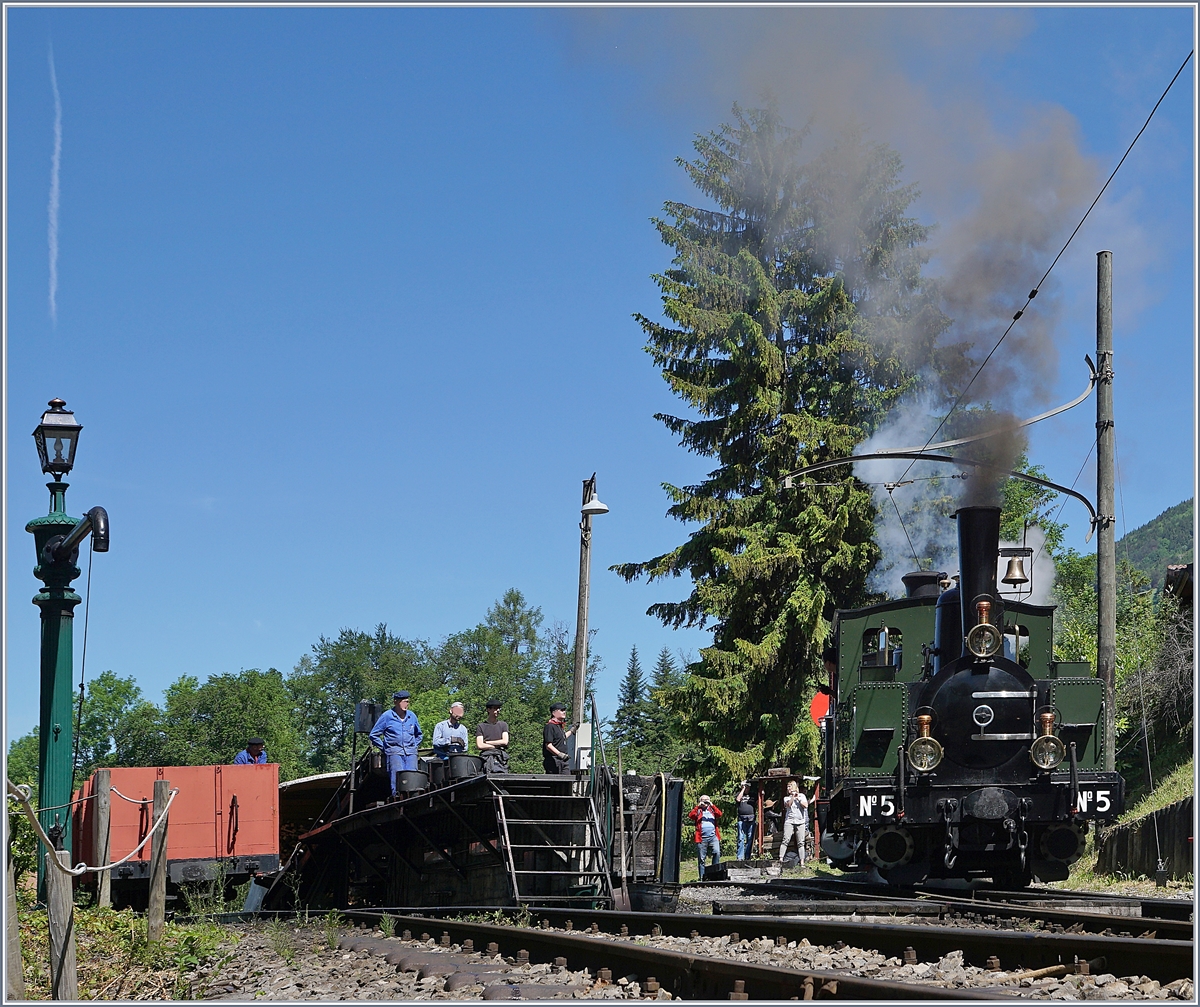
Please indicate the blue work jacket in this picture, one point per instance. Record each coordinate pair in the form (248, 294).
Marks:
(243, 758)
(397, 736)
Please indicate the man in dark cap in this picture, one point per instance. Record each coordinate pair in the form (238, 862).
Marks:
(555, 758)
(254, 754)
(399, 734)
(829, 658)
(491, 738)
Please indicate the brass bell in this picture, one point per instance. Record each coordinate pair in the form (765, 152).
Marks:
(1016, 572)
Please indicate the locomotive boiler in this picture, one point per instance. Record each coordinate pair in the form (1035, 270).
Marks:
(955, 745)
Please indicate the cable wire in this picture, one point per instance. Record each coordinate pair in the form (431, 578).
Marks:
(1137, 656)
(1034, 292)
(904, 529)
(1064, 503)
(87, 608)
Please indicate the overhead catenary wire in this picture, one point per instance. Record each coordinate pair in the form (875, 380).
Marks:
(1034, 292)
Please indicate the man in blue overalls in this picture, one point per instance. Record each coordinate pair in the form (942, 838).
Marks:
(399, 735)
(254, 754)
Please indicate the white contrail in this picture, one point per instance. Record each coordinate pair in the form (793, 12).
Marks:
(52, 210)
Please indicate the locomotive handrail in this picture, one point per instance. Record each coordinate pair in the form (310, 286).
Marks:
(921, 456)
(22, 793)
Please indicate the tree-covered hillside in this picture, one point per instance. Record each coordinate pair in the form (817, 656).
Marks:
(1167, 539)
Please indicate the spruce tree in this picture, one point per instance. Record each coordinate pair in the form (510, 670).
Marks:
(795, 315)
(662, 728)
(632, 719)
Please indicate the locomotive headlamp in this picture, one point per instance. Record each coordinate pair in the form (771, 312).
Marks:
(1047, 751)
(925, 752)
(984, 639)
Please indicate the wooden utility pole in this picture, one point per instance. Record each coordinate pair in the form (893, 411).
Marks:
(156, 910)
(60, 908)
(591, 506)
(15, 986)
(581, 612)
(102, 791)
(1106, 555)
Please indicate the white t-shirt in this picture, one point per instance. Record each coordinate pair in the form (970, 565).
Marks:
(796, 812)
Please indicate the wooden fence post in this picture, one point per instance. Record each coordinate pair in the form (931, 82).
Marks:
(15, 987)
(60, 908)
(156, 910)
(102, 791)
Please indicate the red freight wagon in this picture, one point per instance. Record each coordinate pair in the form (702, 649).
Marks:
(225, 818)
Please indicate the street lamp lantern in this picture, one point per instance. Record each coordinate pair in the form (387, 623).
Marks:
(593, 507)
(57, 437)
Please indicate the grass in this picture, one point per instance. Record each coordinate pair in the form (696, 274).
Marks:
(1177, 785)
(1084, 877)
(520, 917)
(279, 936)
(331, 926)
(114, 958)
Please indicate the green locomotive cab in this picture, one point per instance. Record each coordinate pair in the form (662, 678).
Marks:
(955, 745)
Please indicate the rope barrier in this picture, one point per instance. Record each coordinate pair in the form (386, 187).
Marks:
(22, 794)
(69, 804)
(131, 800)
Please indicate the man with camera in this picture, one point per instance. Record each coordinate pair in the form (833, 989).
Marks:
(708, 835)
(795, 821)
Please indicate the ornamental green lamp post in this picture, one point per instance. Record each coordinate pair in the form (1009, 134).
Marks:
(56, 538)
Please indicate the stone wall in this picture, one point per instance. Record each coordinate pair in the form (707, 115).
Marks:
(1131, 848)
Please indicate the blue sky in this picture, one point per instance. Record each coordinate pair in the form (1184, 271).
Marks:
(344, 295)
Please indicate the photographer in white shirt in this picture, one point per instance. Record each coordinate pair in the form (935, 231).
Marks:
(795, 820)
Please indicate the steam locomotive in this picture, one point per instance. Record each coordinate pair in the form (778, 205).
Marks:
(955, 746)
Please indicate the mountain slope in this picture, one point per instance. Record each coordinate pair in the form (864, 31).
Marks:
(1166, 539)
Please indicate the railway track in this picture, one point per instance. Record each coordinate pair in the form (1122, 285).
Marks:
(1159, 959)
(1137, 905)
(470, 953)
(1123, 918)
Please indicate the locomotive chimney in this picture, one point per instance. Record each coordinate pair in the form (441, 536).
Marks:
(978, 549)
(923, 583)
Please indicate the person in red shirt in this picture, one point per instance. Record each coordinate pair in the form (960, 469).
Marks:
(708, 836)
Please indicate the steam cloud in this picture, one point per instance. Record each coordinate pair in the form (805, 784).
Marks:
(1003, 198)
(52, 208)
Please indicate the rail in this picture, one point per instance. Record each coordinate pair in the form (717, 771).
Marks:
(686, 976)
